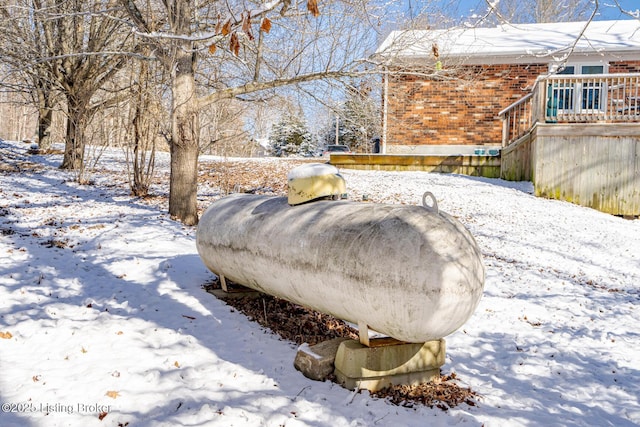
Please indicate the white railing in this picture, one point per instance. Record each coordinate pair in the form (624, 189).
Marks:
(517, 119)
(591, 98)
(601, 98)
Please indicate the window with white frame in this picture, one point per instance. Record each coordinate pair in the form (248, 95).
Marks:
(581, 94)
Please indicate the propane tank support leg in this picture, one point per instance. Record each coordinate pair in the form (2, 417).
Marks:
(363, 333)
(223, 283)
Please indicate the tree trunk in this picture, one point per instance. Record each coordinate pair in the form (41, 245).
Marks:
(45, 116)
(74, 141)
(44, 128)
(183, 183)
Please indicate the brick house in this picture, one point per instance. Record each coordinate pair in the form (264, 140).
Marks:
(455, 82)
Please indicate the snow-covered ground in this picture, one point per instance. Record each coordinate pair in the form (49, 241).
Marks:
(104, 322)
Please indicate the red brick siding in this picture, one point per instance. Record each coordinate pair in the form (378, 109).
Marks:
(461, 108)
(624, 67)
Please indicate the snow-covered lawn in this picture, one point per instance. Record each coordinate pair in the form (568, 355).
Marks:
(104, 322)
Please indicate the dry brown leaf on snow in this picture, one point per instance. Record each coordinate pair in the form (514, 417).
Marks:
(212, 48)
(6, 335)
(112, 394)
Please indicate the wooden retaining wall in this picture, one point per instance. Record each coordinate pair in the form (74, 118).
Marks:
(593, 165)
(486, 166)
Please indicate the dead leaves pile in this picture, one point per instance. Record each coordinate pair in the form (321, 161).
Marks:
(248, 176)
(302, 325)
(10, 162)
(444, 394)
(290, 321)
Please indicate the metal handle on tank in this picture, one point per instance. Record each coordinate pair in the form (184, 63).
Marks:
(434, 206)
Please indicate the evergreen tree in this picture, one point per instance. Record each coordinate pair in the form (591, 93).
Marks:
(290, 136)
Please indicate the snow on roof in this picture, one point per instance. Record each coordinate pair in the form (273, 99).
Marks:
(518, 41)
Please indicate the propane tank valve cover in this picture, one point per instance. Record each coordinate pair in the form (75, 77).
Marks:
(314, 181)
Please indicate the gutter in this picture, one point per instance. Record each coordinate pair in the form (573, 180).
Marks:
(385, 109)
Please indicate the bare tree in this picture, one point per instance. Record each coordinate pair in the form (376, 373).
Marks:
(222, 129)
(145, 125)
(260, 46)
(69, 48)
(532, 11)
(84, 46)
(21, 44)
(356, 119)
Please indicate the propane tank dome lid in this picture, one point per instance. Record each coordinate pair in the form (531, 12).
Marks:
(314, 181)
(312, 169)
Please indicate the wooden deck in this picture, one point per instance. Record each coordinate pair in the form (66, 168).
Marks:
(592, 165)
(487, 166)
(577, 138)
